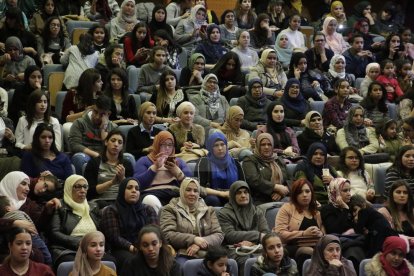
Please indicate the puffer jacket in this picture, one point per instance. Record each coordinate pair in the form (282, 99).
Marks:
(374, 268)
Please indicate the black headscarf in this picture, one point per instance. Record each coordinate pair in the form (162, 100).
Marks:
(282, 140)
(155, 25)
(311, 169)
(131, 216)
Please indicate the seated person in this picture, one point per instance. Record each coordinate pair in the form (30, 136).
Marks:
(319, 56)
(137, 45)
(211, 48)
(101, 10)
(294, 104)
(215, 263)
(375, 105)
(194, 73)
(262, 35)
(356, 57)
(248, 57)
(125, 21)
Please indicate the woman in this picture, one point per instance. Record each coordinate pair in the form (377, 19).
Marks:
(363, 10)
(164, 39)
(168, 97)
(245, 16)
(190, 30)
(38, 111)
(242, 222)
(123, 106)
(122, 220)
(228, 28)
(113, 58)
(76, 218)
(363, 27)
(137, 45)
(262, 35)
(101, 11)
(354, 133)
(46, 10)
(285, 142)
(316, 170)
(154, 256)
(273, 259)
(375, 104)
(105, 172)
(140, 137)
(18, 262)
(230, 77)
(33, 80)
(315, 132)
(393, 49)
(351, 166)
(53, 41)
(216, 262)
(265, 172)
(211, 106)
(372, 71)
(77, 59)
(125, 20)
(238, 138)
(188, 224)
(401, 169)
(211, 15)
(211, 48)
(254, 105)
(319, 55)
(334, 40)
(298, 222)
(337, 12)
(284, 52)
(337, 219)
(194, 73)
(160, 172)
(327, 259)
(218, 171)
(295, 105)
(45, 156)
(391, 261)
(159, 20)
(187, 134)
(8, 140)
(295, 37)
(89, 255)
(271, 73)
(337, 71)
(248, 57)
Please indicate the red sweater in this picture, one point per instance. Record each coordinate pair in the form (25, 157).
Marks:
(35, 269)
(384, 80)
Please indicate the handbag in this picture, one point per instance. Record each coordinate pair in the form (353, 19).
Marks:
(248, 250)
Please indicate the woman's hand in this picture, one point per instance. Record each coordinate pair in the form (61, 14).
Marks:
(228, 87)
(133, 249)
(10, 77)
(341, 203)
(368, 122)
(326, 179)
(289, 151)
(193, 249)
(29, 50)
(215, 125)
(296, 72)
(8, 133)
(281, 189)
(52, 205)
(245, 243)
(313, 231)
(335, 262)
(160, 160)
(315, 83)
(370, 194)
(224, 194)
(120, 173)
(188, 145)
(202, 243)
(276, 196)
(173, 168)
(252, 142)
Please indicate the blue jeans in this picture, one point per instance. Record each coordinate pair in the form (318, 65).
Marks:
(40, 244)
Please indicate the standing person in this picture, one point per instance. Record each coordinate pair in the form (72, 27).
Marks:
(125, 20)
(89, 255)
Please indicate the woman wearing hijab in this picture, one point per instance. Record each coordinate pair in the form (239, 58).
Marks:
(188, 224)
(188, 30)
(265, 172)
(89, 255)
(122, 221)
(391, 261)
(211, 106)
(271, 73)
(194, 73)
(315, 132)
(316, 170)
(337, 12)
(334, 40)
(327, 259)
(283, 50)
(363, 10)
(354, 133)
(295, 105)
(159, 20)
(160, 172)
(238, 138)
(212, 48)
(76, 218)
(125, 20)
(218, 171)
(254, 105)
(242, 223)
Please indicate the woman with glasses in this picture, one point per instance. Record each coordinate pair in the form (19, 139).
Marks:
(401, 169)
(319, 56)
(160, 172)
(76, 218)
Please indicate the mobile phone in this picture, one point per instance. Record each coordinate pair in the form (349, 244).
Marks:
(203, 28)
(171, 159)
(325, 172)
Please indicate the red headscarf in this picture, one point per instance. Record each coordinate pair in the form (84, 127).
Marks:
(161, 137)
(390, 244)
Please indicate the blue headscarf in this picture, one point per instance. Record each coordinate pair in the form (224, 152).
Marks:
(297, 104)
(224, 171)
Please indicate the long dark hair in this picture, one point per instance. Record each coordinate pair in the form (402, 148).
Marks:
(294, 61)
(398, 159)
(33, 99)
(165, 259)
(369, 104)
(97, 26)
(261, 33)
(36, 147)
(393, 208)
(108, 54)
(43, 10)
(220, 68)
(85, 44)
(162, 96)
(124, 78)
(214, 253)
(46, 33)
(147, 40)
(85, 86)
(11, 237)
(277, 130)
(113, 132)
(344, 168)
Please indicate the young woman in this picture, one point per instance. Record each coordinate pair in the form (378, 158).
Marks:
(372, 72)
(154, 256)
(18, 262)
(245, 16)
(327, 258)
(401, 169)
(337, 11)
(188, 224)
(89, 255)
(351, 166)
(277, 14)
(265, 172)
(53, 41)
(295, 37)
(106, 172)
(218, 171)
(389, 81)
(283, 50)
(159, 21)
(46, 10)
(389, 138)
(334, 40)
(164, 39)
(192, 29)
(336, 71)
(140, 137)
(123, 107)
(38, 111)
(211, 48)
(248, 57)
(375, 105)
(262, 35)
(125, 20)
(137, 45)
(113, 57)
(363, 27)
(168, 97)
(393, 49)
(194, 73)
(100, 37)
(228, 28)
(45, 156)
(177, 10)
(210, 14)
(273, 259)
(101, 11)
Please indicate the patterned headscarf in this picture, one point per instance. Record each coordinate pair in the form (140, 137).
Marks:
(334, 190)
(332, 71)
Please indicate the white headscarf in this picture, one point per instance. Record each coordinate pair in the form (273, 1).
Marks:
(332, 71)
(127, 18)
(194, 10)
(9, 184)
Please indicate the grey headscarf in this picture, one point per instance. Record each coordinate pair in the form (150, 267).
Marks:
(14, 42)
(355, 136)
(212, 99)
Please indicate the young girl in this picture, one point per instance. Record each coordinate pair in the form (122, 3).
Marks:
(137, 45)
(388, 79)
(215, 263)
(38, 111)
(376, 109)
(405, 74)
(372, 72)
(390, 141)
(296, 39)
(100, 38)
(245, 16)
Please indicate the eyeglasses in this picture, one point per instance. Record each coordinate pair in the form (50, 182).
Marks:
(78, 187)
(167, 145)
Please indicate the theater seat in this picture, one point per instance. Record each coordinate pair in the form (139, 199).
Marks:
(66, 267)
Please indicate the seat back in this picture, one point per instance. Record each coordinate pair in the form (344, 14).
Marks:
(133, 78)
(71, 25)
(233, 101)
(317, 106)
(76, 33)
(358, 82)
(248, 266)
(271, 216)
(125, 129)
(378, 173)
(49, 68)
(362, 265)
(60, 97)
(308, 32)
(66, 267)
(55, 85)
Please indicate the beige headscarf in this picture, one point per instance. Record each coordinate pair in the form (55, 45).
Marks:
(81, 266)
(183, 187)
(231, 133)
(277, 175)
